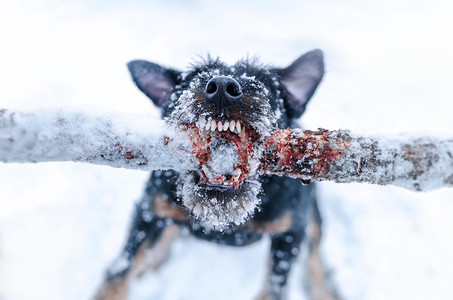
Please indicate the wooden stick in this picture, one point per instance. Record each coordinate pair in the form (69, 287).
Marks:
(139, 142)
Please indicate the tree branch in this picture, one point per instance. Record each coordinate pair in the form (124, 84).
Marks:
(138, 142)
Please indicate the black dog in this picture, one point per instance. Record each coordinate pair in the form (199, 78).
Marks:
(229, 109)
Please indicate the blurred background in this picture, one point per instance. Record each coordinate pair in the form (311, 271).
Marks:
(389, 67)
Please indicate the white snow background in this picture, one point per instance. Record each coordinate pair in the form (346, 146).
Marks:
(389, 68)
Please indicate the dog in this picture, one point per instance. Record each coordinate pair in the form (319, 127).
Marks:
(229, 109)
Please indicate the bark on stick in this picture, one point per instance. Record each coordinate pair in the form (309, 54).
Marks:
(419, 164)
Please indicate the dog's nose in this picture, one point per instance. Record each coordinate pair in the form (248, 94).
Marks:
(223, 91)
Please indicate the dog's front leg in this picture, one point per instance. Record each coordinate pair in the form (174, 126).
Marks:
(284, 250)
(318, 282)
(146, 232)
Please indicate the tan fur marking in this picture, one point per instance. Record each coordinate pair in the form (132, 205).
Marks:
(318, 285)
(165, 209)
(159, 253)
(140, 259)
(120, 290)
(318, 289)
(116, 291)
(282, 224)
(263, 296)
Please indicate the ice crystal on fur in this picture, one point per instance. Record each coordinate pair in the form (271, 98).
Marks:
(220, 210)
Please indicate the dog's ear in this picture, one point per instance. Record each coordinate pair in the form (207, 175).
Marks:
(155, 81)
(300, 81)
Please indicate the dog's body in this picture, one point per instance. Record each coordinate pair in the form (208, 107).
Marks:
(229, 109)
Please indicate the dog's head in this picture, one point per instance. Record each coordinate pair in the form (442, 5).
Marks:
(228, 110)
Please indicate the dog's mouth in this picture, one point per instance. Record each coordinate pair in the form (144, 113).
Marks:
(226, 143)
(224, 190)
(223, 149)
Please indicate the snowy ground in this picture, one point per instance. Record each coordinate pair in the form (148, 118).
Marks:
(389, 70)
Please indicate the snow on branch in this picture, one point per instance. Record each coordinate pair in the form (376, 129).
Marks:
(139, 142)
(112, 139)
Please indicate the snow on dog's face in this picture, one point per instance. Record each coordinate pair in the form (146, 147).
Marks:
(228, 110)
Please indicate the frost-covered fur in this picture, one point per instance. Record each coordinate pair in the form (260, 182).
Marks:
(187, 107)
(219, 210)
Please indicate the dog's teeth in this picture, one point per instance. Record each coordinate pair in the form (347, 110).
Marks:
(220, 126)
(238, 126)
(232, 123)
(213, 126)
(226, 125)
(236, 174)
(208, 125)
(206, 171)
